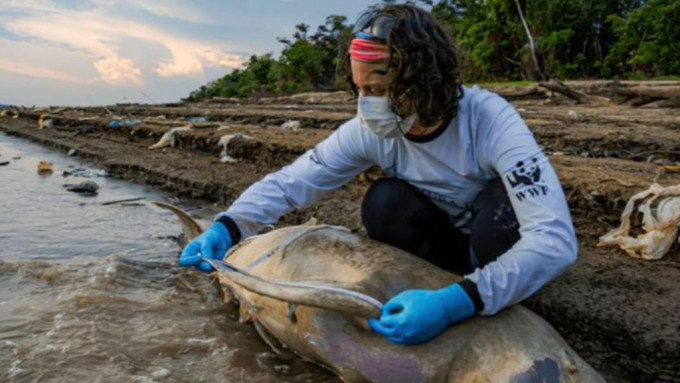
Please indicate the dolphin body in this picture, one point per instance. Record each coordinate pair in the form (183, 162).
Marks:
(312, 288)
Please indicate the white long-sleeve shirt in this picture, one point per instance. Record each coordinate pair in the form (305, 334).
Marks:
(487, 139)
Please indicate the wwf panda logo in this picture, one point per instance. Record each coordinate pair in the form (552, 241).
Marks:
(526, 173)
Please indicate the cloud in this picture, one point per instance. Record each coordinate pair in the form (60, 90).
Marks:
(33, 71)
(29, 5)
(99, 31)
(117, 71)
(190, 59)
(173, 10)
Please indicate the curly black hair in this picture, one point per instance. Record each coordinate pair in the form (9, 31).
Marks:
(426, 77)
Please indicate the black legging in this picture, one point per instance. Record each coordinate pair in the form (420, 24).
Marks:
(396, 213)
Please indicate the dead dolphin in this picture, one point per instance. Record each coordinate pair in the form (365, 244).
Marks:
(296, 282)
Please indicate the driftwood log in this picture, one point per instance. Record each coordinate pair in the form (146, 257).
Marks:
(668, 96)
(558, 86)
(519, 92)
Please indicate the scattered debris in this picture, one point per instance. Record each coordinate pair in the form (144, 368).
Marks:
(115, 124)
(291, 125)
(170, 137)
(573, 115)
(660, 223)
(197, 120)
(87, 187)
(225, 100)
(83, 172)
(44, 122)
(44, 168)
(224, 141)
(181, 122)
(122, 201)
(71, 153)
(161, 373)
(4, 113)
(618, 181)
(671, 169)
(16, 158)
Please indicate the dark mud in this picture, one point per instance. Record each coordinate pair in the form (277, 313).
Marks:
(619, 313)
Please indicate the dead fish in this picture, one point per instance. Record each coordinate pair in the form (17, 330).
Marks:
(224, 142)
(660, 208)
(170, 137)
(88, 187)
(332, 280)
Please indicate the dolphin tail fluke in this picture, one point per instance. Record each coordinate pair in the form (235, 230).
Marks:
(190, 227)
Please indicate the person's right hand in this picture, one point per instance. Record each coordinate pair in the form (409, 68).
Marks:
(212, 244)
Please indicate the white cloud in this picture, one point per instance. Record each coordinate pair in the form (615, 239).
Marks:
(29, 5)
(117, 71)
(173, 10)
(97, 32)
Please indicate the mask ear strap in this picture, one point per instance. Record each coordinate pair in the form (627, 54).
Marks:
(399, 123)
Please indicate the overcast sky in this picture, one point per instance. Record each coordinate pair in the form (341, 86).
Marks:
(92, 52)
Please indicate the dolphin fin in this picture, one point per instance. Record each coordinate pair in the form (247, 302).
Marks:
(302, 293)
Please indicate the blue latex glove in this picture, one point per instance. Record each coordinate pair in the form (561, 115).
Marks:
(212, 243)
(416, 316)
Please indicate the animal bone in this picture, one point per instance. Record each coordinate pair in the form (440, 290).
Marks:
(660, 224)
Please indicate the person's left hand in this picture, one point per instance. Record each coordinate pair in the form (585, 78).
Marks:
(416, 316)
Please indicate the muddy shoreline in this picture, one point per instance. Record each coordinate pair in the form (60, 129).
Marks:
(619, 313)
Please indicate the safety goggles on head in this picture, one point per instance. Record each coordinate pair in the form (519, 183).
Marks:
(373, 25)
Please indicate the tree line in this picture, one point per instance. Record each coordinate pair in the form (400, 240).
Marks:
(497, 40)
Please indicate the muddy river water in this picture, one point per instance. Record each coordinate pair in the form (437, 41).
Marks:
(89, 292)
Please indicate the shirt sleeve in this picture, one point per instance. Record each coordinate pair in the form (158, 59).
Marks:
(548, 244)
(328, 166)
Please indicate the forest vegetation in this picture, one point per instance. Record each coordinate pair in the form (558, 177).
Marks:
(574, 39)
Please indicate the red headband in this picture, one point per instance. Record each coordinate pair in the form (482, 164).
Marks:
(367, 50)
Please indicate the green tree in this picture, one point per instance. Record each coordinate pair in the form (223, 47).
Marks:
(648, 40)
(572, 39)
(307, 62)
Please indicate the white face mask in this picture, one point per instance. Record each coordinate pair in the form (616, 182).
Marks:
(375, 114)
